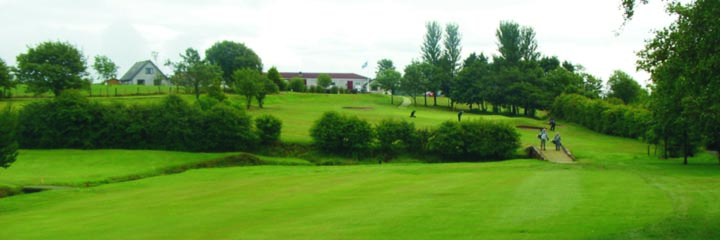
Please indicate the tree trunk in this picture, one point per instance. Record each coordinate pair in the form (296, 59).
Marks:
(665, 148)
(685, 148)
(425, 95)
(435, 100)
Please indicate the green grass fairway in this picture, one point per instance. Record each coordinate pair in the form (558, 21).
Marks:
(521, 199)
(76, 167)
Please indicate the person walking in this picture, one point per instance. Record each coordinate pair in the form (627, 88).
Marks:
(556, 141)
(552, 124)
(543, 139)
(460, 115)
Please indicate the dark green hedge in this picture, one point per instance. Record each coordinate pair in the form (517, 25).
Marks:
(8, 139)
(603, 117)
(339, 134)
(343, 135)
(474, 141)
(72, 121)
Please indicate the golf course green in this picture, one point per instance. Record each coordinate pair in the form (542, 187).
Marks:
(615, 189)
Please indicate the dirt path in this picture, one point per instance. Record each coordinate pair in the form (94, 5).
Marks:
(557, 156)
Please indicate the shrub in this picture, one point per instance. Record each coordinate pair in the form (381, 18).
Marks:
(297, 85)
(206, 102)
(340, 134)
(268, 129)
(474, 140)
(67, 121)
(175, 125)
(394, 137)
(227, 129)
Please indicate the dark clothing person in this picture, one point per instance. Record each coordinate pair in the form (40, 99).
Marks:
(412, 114)
(552, 124)
(460, 115)
(556, 141)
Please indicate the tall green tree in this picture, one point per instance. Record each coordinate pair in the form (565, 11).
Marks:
(451, 59)
(383, 65)
(453, 47)
(389, 80)
(624, 87)
(431, 49)
(324, 80)
(415, 82)
(468, 83)
(52, 66)
(6, 79)
(192, 71)
(247, 83)
(592, 86)
(432, 54)
(232, 56)
(105, 67)
(682, 59)
(275, 77)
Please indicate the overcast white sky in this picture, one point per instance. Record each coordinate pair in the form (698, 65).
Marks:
(326, 36)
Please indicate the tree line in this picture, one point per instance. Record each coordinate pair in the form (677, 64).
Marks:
(519, 80)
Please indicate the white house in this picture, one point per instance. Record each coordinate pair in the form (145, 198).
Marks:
(144, 73)
(349, 81)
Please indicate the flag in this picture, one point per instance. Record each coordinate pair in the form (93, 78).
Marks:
(364, 65)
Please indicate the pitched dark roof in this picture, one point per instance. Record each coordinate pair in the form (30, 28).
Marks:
(289, 75)
(137, 67)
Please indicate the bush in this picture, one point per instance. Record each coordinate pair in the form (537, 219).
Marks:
(175, 125)
(344, 135)
(227, 129)
(268, 129)
(474, 141)
(67, 121)
(607, 117)
(207, 102)
(8, 139)
(394, 137)
(297, 85)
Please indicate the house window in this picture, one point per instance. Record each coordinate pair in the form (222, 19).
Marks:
(141, 82)
(148, 70)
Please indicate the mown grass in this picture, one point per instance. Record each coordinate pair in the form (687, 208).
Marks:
(614, 191)
(81, 167)
(520, 199)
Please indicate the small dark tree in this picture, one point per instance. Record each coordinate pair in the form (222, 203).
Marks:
(275, 77)
(297, 84)
(247, 83)
(268, 129)
(324, 81)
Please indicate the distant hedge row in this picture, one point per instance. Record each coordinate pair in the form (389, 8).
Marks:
(72, 121)
(339, 134)
(603, 117)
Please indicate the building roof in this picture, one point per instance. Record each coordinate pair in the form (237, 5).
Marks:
(137, 67)
(289, 75)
